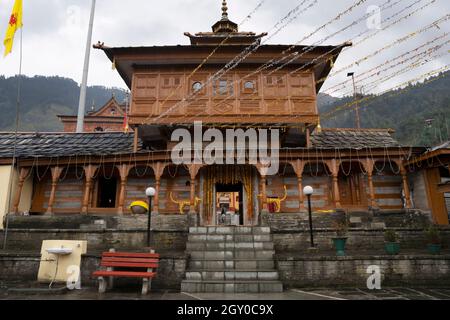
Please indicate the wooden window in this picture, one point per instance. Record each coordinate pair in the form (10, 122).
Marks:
(223, 87)
(166, 82)
(177, 81)
(197, 86)
(275, 81)
(249, 86)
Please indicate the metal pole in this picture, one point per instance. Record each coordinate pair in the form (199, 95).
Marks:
(16, 137)
(149, 239)
(83, 88)
(310, 221)
(358, 120)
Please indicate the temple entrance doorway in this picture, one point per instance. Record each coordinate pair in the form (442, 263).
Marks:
(107, 192)
(229, 195)
(229, 204)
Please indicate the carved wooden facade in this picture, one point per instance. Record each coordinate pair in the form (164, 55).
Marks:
(166, 97)
(175, 85)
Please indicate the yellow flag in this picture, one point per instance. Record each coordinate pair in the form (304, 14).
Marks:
(15, 23)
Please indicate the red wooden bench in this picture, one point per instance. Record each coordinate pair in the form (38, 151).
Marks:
(127, 265)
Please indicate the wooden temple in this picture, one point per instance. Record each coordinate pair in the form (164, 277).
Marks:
(174, 86)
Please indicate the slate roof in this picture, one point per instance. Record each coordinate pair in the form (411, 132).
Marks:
(353, 139)
(65, 144)
(30, 145)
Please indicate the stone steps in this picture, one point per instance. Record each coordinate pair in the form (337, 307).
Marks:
(193, 286)
(240, 275)
(225, 246)
(232, 264)
(230, 237)
(231, 260)
(229, 230)
(235, 254)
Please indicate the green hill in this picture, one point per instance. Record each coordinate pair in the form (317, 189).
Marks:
(43, 98)
(420, 114)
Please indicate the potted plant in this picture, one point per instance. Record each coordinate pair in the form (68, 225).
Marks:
(391, 244)
(340, 240)
(434, 240)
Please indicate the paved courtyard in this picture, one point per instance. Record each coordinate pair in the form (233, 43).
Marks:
(291, 294)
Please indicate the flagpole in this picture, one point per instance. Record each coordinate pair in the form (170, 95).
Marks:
(83, 88)
(16, 134)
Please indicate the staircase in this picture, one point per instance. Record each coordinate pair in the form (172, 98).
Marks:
(231, 260)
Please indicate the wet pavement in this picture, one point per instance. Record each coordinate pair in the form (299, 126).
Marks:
(292, 294)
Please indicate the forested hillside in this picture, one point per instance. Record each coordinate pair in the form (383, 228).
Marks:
(420, 114)
(43, 98)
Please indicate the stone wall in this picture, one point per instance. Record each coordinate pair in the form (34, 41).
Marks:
(295, 270)
(317, 271)
(25, 267)
(359, 240)
(98, 240)
(169, 232)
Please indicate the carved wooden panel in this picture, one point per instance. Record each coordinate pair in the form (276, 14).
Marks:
(171, 86)
(303, 106)
(275, 86)
(195, 108)
(233, 94)
(302, 85)
(171, 107)
(250, 107)
(149, 108)
(146, 86)
(222, 107)
(277, 106)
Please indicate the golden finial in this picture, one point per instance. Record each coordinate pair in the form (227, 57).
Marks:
(224, 10)
(319, 127)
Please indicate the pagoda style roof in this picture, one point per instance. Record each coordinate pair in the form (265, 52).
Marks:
(50, 145)
(128, 59)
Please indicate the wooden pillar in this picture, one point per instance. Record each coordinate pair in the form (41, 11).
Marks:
(334, 168)
(263, 173)
(301, 197)
(56, 173)
(369, 165)
(24, 172)
(193, 171)
(158, 169)
(124, 171)
(404, 174)
(372, 203)
(136, 140)
(89, 172)
(265, 208)
(299, 166)
(308, 137)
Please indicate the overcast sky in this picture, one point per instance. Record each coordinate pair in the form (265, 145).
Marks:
(55, 32)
